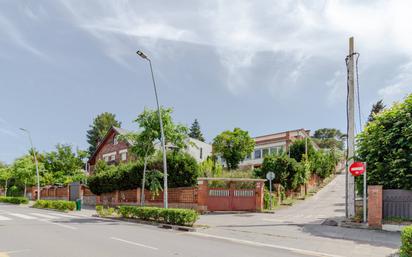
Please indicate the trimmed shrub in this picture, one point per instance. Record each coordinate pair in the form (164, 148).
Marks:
(183, 217)
(285, 169)
(406, 238)
(105, 212)
(14, 200)
(182, 172)
(60, 205)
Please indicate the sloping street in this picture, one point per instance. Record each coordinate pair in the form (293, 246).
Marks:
(299, 227)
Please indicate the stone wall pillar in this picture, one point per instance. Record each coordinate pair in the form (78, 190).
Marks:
(259, 193)
(116, 198)
(375, 204)
(202, 195)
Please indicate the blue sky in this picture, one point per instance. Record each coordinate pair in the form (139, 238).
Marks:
(264, 66)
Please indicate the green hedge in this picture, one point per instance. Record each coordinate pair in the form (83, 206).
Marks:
(181, 167)
(60, 205)
(386, 145)
(406, 237)
(15, 200)
(183, 217)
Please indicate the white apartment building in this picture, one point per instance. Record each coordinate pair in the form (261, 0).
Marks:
(277, 143)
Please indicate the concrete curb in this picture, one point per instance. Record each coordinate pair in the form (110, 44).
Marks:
(393, 227)
(48, 209)
(144, 222)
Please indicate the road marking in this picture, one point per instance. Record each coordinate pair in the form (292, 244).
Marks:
(62, 215)
(134, 243)
(4, 218)
(23, 216)
(247, 242)
(44, 215)
(17, 251)
(58, 224)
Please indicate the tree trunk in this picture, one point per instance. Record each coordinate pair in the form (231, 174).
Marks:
(143, 182)
(5, 188)
(25, 188)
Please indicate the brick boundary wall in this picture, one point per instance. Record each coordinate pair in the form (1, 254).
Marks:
(375, 203)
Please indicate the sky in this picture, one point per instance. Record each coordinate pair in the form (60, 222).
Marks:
(263, 66)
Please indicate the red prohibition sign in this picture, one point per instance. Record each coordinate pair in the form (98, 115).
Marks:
(357, 168)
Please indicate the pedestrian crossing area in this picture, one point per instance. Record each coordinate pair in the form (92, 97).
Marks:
(6, 216)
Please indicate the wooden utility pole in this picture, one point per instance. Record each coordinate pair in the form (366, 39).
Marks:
(350, 180)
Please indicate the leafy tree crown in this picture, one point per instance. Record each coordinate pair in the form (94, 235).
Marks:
(195, 131)
(101, 124)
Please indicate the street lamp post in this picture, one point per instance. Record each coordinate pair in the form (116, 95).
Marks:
(165, 197)
(35, 160)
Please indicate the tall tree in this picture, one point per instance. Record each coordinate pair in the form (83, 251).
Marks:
(24, 169)
(233, 146)
(144, 141)
(376, 108)
(148, 121)
(6, 174)
(329, 138)
(195, 131)
(64, 164)
(298, 149)
(101, 124)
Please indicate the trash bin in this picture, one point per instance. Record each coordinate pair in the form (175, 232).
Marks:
(78, 204)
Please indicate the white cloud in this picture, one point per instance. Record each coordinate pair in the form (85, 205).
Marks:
(400, 86)
(241, 29)
(10, 32)
(337, 87)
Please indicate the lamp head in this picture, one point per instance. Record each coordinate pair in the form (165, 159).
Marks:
(141, 54)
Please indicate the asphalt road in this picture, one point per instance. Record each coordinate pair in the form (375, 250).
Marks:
(299, 226)
(42, 233)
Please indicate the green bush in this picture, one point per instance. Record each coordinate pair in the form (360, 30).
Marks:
(323, 163)
(105, 212)
(14, 200)
(60, 205)
(183, 217)
(285, 170)
(298, 148)
(182, 172)
(406, 237)
(266, 199)
(386, 145)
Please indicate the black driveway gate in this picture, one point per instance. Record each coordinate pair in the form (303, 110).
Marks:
(397, 203)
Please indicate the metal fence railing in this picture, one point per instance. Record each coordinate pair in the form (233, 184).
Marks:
(397, 203)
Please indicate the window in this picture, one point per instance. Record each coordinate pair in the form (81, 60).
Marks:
(106, 158)
(273, 150)
(265, 151)
(115, 140)
(201, 153)
(258, 153)
(112, 157)
(281, 150)
(123, 156)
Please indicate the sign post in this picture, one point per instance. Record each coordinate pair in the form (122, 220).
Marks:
(357, 169)
(270, 176)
